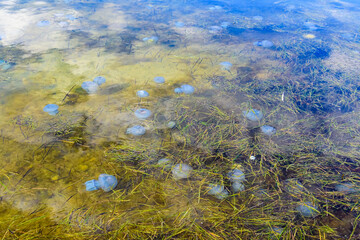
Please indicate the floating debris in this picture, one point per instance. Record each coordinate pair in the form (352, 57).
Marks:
(51, 109)
(181, 171)
(90, 87)
(136, 130)
(309, 36)
(99, 80)
(226, 65)
(268, 130)
(142, 113)
(307, 209)
(187, 89)
(142, 93)
(218, 191)
(253, 115)
(159, 80)
(106, 182)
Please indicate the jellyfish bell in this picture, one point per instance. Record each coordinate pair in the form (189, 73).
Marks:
(51, 109)
(253, 114)
(181, 171)
(136, 130)
(142, 93)
(187, 89)
(90, 87)
(142, 113)
(268, 130)
(159, 80)
(226, 65)
(99, 80)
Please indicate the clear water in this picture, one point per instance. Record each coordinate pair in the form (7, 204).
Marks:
(297, 62)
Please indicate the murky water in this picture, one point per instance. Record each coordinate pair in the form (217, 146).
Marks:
(252, 130)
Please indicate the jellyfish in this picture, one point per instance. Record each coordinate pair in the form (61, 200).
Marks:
(178, 90)
(142, 113)
(43, 23)
(51, 109)
(225, 24)
(307, 209)
(90, 87)
(106, 182)
(215, 29)
(159, 80)
(264, 44)
(236, 175)
(187, 89)
(217, 191)
(226, 65)
(165, 163)
(268, 130)
(171, 124)
(237, 187)
(346, 188)
(99, 80)
(152, 39)
(253, 114)
(179, 24)
(142, 93)
(136, 130)
(181, 171)
(311, 26)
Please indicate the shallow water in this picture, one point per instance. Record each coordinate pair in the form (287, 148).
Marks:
(305, 84)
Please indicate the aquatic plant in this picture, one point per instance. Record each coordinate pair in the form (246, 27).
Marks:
(90, 87)
(142, 113)
(268, 130)
(136, 130)
(142, 93)
(99, 80)
(181, 171)
(307, 209)
(51, 109)
(187, 89)
(253, 114)
(159, 80)
(217, 191)
(106, 182)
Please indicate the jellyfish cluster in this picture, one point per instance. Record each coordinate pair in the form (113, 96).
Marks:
(92, 87)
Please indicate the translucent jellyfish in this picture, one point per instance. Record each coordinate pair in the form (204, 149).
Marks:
(142, 93)
(43, 23)
(142, 113)
(136, 130)
(226, 65)
(237, 187)
(217, 191)
(51, 109)
(346, 188)
(307, 209)
(165, 163)
(171, 124)
(179, 24)
(311, 26)
(253, 114)
(215, 8)
(268, 130)
(257, 18)
(264, 44)
(178, 90)
(252, 158)
(99, 80)
(106, 182)
(159, 80)
(181, 171)
(225, 24)
(236, 175)
(152, 39)
(90, 87)
(215, 29)
(187, 89)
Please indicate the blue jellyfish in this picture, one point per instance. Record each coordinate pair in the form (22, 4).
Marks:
(181, 171)
(106, 182)
(142, 113)
(236, 175)
(253, 115)
(142, 93)
(237, 187)
(346, 188)
(178, 90)
(187, 89)
(307, 209)
(152, 39)
(226, 65)
(225, 24)
(43, 23)
(264, 44)
(99, 80)
(136, 130)
(51, 109)
(268, 130)
(257, 18)
(217, 191)
(179, 24)
(90, 87)
(171, 124)
(159, 80)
